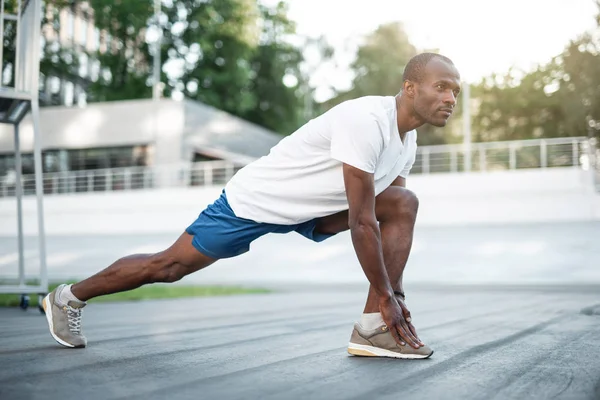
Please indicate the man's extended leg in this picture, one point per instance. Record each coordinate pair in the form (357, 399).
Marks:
(133, 271)
(63, 305)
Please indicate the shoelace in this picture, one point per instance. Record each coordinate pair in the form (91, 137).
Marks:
(74, 318)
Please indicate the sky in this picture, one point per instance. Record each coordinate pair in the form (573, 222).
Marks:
(480, 36)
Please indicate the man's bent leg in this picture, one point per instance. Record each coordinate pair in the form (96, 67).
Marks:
(133, 271)
(396, 210)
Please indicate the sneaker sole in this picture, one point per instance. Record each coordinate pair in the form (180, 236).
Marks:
(370, 351)
(46, 306)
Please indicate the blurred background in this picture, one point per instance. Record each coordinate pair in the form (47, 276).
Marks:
(149, 107)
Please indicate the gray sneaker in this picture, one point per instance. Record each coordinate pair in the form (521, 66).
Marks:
(64, 320)
(380, 343)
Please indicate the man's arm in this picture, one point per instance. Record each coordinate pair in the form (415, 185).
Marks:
(366, 238)
(364, 229)
(399, 181)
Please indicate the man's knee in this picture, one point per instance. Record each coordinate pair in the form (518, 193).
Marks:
(397, 202)
(165, 268)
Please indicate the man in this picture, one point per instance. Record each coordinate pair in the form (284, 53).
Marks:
(344, 170)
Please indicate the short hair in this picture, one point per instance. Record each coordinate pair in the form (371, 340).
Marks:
(415, 69)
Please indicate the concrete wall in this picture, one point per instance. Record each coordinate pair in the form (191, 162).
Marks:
(522, 196)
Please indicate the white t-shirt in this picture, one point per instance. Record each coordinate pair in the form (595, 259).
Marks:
(301, 178)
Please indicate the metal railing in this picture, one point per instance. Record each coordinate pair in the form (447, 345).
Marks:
(128, 178)
(491, 156)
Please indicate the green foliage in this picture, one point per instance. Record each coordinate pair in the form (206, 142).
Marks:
(277, 106)
(214, 49)
(126, 64)
(230, 54)
(555, 100)
(379, 64)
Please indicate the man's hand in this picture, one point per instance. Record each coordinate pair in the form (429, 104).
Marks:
(408, 318)
(394, 317)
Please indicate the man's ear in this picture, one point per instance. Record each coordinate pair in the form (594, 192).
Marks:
(409, 89)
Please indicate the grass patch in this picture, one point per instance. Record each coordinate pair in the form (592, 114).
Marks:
(148, 292)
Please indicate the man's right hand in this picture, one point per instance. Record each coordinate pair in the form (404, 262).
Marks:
(393, 317)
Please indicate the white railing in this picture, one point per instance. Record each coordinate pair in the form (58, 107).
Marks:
(491, 156)
(128, 178)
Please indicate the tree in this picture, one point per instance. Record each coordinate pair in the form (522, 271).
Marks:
(379, 63)
(555, 100)
(58, 61)
(278, 105)
(579, 92)
(230, 54)
(513, 108)
(124, 58)
(244, 59)
(213, 51)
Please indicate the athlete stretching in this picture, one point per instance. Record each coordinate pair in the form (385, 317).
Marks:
(344, 170)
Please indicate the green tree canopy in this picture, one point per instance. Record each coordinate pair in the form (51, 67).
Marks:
(379, 63)
(230, 54)
(555, 100)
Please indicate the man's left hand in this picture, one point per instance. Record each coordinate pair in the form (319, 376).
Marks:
(407, 317)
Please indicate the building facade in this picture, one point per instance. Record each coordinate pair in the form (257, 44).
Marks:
(135, 133)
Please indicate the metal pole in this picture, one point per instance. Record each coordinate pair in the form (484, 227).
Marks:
(157, 42)
(453, 160)
(228, 171)
(18, 50)
(39, 189)
(19, 194)
(512, 156)
(127, 178)
(2, 36)
(37, 141)
(467, 125)
(208, 174)
(543, 154)
(591, 147)
(482, 163)
(425, 155)
(307, 103)
(90, 183)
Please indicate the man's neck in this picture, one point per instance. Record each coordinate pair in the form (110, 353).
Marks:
(405, 117)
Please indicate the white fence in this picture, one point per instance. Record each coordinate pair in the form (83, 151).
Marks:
(507, 155)
(490, 156)
(129, 178)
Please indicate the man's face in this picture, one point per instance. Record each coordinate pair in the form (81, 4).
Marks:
(435, 97)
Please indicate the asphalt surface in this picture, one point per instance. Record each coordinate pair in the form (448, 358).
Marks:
(489, 343)
(512, 312)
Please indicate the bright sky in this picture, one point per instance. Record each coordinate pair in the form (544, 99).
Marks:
(480, 36)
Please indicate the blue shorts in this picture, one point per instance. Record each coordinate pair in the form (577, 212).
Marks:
(219, 233)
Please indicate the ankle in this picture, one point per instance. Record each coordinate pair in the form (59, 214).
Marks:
(371, 321)
(77, 293)
(66, 295)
